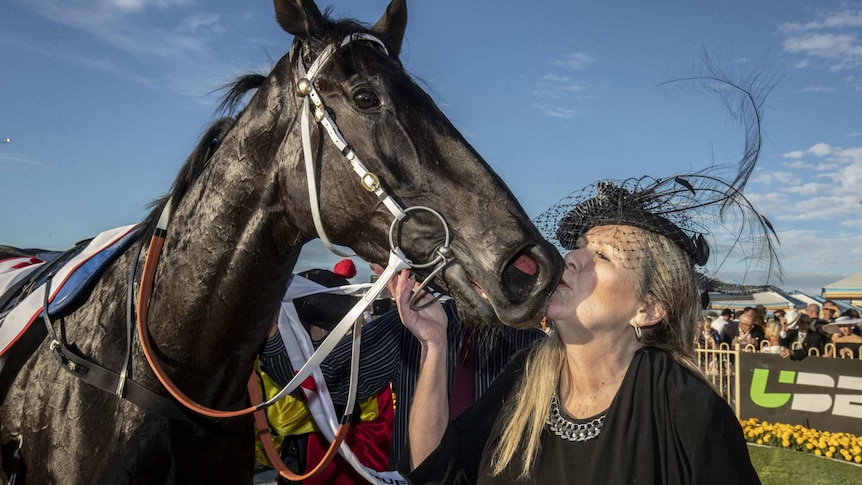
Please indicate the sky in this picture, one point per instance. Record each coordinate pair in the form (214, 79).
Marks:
(104, 99)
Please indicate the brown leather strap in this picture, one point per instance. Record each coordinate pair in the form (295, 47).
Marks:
(269, 446)
(144, 294)
(255, 396)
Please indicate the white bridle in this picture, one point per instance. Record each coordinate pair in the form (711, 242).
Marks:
(369, 181)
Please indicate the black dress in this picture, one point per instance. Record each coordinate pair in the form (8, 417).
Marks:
(665, 425)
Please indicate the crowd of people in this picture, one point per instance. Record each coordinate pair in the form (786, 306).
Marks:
(817, 330)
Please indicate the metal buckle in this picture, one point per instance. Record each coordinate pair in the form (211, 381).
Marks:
(370, 182)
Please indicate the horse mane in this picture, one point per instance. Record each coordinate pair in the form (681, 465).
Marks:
(207, 145)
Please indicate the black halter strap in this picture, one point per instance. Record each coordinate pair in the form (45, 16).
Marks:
(73, 361)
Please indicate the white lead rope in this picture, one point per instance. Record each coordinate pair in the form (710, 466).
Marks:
(299, 350)
(397, 262)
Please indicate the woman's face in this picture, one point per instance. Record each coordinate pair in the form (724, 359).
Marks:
(598, 290)
(845, 330)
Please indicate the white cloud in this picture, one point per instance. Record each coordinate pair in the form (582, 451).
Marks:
(774, 179)
(123, 25)
(555, 78)
(200, 22)
(800, 165)
(11, 160)
(816, 89)
(561, 88)
(852, 155)
(165, 44)
(574, 88)
(794, 154)
(136, 5)
(811, 259)
(557, 111)
(820, 150)
(831, 42)
(573, 61)
(854, 134)
(844, 18)
(824, 195)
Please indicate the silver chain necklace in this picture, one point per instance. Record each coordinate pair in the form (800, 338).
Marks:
(568, 430)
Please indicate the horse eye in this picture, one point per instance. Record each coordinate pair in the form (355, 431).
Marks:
(366, 99)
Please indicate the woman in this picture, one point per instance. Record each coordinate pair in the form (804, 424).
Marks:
(773, 337)
(707, 338)
(612, 395)
(846, 343)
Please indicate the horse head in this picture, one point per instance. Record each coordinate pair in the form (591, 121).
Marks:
(503, 269)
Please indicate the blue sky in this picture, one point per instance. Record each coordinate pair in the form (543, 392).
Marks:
(103, 100)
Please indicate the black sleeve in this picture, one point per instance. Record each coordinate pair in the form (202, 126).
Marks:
(721, 455)
(456, 460)
(758, 334)
(798, 354)
(789, 339)
(726, 334)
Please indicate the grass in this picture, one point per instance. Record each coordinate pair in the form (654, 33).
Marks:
(777, 466)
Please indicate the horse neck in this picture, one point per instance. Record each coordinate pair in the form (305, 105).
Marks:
(227, 258)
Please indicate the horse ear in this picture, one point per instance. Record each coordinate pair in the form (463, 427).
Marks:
(301, 18)
(390, 28)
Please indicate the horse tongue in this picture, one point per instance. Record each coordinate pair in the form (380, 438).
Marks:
(526, 264)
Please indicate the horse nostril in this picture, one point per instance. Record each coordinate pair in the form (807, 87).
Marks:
(520, 276)
(526, 264)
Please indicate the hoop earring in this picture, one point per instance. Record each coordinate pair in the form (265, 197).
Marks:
(637, 333)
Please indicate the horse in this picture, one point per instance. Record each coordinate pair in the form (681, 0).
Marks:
(250, 195)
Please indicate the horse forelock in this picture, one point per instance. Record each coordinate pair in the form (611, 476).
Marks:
(333, 32)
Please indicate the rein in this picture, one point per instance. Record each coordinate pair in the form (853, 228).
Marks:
(397, 261)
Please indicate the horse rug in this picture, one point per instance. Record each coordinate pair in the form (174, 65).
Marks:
(66, 286)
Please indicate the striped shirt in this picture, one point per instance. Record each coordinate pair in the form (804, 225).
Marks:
(390, 353)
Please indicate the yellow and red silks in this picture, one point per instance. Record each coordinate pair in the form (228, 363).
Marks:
(370, 439)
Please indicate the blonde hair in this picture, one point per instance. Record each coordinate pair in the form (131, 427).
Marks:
(666, 276)
(773, 329)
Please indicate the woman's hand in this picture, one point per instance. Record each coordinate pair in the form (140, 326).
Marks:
(428, 324)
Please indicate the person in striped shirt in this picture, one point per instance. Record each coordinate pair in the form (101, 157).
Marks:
(390, 355)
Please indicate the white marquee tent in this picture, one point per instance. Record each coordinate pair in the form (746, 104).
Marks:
(849, 288)
(772, 300)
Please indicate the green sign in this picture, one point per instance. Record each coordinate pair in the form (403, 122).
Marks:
(816, 392)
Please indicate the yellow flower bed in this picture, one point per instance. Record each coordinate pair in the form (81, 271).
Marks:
(841, 446)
